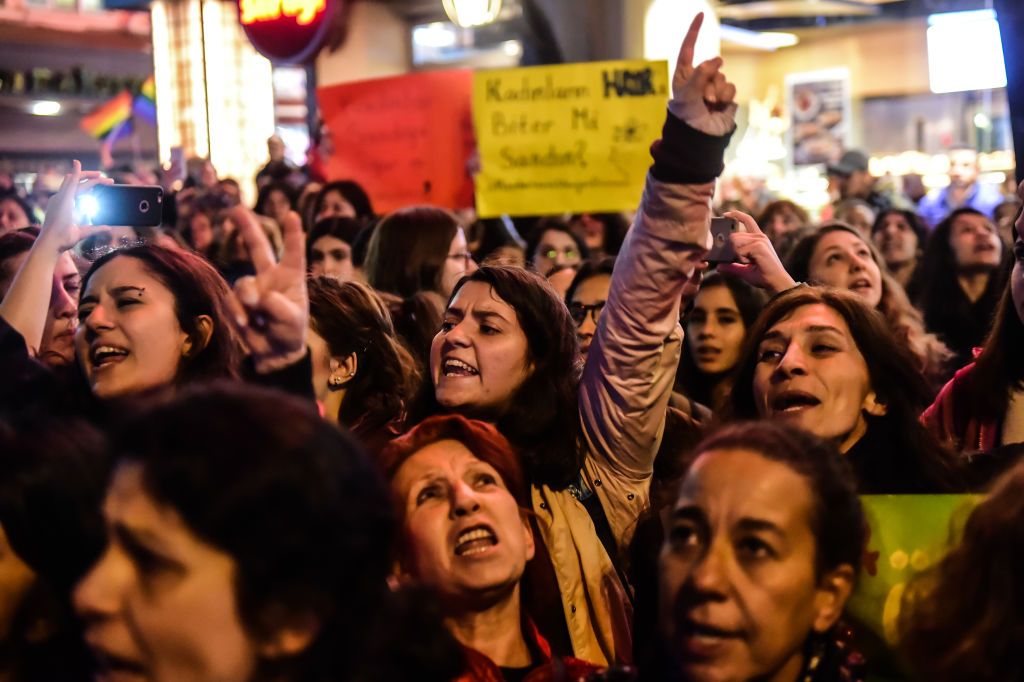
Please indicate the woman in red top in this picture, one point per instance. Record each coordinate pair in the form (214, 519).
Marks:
(466, 532)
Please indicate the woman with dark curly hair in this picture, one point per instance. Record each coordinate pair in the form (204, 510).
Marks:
(961, 620)
(362, 374)
(959, 280)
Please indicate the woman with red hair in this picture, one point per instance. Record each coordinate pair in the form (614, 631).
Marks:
(467, 533)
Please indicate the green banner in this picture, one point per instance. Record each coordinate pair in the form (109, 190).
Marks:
(908, 533)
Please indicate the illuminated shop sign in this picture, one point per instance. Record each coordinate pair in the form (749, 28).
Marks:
(286, 31)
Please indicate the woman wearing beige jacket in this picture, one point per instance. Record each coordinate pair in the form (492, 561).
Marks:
(506, 354)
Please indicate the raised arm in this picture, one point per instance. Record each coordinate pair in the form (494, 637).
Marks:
(631, 366)
(27, 301)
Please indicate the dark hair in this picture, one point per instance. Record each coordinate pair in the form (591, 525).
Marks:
(361, 242)
(345, 229)
(494, 235)
(352, 318)
(300, 508)
(408, 250)
(185, 231)
(781, 206)
(23, 204)
(352, 192)
(480, 438)
(552, 225)
(904, 320)
(935, 282)
(914, 220)
(198, 289)
(542, 420)
(961, 619)
(264, 195)
(52, 479)
(590, 268)
(12, 245)
(690, 380)
(891, 371)
(615, 228)
(837, 518)
(999, 368)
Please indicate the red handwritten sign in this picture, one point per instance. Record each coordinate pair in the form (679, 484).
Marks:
(406, 139)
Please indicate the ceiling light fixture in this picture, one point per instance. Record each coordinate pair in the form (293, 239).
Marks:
(761, 40)
(467, 13)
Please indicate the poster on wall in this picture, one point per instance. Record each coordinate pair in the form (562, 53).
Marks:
(406, 140)
(566, 138)
(818, 103)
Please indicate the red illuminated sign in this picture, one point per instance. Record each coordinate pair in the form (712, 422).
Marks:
(305, 12)
(286, 31)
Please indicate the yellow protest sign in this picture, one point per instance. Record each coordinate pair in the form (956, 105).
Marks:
(566, 138)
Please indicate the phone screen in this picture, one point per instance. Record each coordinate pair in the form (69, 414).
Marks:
(722, 250)
(130, 205)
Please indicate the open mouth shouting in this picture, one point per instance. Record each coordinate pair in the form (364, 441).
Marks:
(475, 540)
(452, 367)
(793, 402)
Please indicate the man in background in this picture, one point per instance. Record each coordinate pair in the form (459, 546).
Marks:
(849, 178)
(963, 190)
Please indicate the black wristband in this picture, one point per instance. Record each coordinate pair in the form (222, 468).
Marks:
(685, 155)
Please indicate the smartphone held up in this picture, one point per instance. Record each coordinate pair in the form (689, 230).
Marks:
(722, 250)
(128, 205)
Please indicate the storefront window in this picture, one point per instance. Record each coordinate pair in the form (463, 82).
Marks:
(901, 84)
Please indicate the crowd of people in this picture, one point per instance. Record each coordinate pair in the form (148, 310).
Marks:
(307, 442)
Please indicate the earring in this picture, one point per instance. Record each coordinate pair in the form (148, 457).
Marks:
(334, 382)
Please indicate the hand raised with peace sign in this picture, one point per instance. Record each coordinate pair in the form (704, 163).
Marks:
(272, 307)
(701, 96)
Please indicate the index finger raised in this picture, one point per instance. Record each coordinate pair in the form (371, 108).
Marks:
(746, 220)
(690, 43)
(259, 246)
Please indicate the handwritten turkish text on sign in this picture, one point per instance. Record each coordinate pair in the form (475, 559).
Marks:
(406, 140)
(566, 138)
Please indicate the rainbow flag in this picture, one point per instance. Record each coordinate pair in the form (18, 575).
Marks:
(144, 105)
(110, 117)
